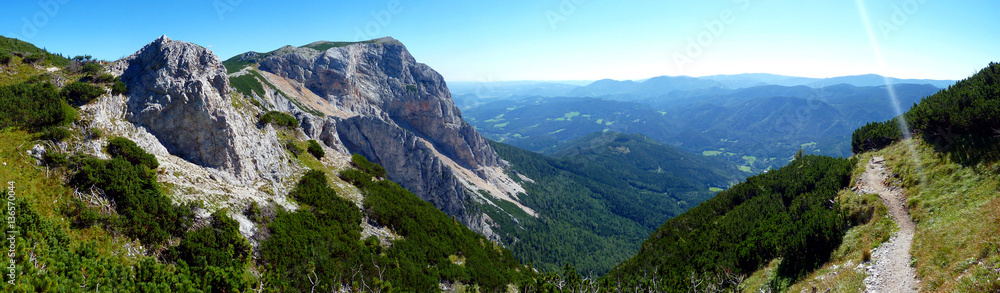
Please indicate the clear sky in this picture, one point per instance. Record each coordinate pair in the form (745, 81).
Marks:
(493, 40)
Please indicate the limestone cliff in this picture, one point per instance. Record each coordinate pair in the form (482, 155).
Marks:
(179, 92)
(379, 102)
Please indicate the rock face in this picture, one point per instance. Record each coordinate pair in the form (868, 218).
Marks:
(382, 79)
(414, 165)
(399, 113)
(180, 92)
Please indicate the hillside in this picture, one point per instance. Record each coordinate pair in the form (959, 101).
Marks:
(540, 124)
(602, 196)
(743, 239)
(398, 125)
(29, 52)
(757, 128)
(786, 213)
(105, 198)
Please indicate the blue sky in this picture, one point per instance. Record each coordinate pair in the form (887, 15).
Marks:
(487, 40)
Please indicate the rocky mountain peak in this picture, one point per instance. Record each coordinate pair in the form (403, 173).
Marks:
(381, 103)
(380, 78)
(179, 91)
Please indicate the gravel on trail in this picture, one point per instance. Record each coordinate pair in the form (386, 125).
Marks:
(889, 270)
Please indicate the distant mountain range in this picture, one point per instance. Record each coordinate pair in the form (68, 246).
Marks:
(469, 94)
(758, 128)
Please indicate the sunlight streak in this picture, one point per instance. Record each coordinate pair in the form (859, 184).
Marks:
(901, 119)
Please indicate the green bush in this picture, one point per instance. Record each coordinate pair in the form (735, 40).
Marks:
(5, 58)
(55, 134)
(362, 163)
(875, 136)
(293, 148)
(279, 119)
(33, 58)
(55, 159)
(315, 149)
(41, 78)
(119, 88)
(22, 48)
(787, 213)
(80, 93)
(314, 191)
(355, 177)
(324, 240)
(247, 84)
(31, 105)
(963, 119)
(127, 149)
(431, 237)
(104, 78)
(145, 212)
(256, 103)
(254, 213)
(219, 245)
(91, 68)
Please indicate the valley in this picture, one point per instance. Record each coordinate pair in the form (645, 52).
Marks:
(352, 167)
(757, 128)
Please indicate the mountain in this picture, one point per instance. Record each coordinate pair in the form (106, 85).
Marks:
(818, 224)
(604, 87)
(20, 48)
(213, 135)
(758, 127)
(374, 99)
(876, 80)
(504, 89)
(314, 163)
(786, 213)
(757, 79)
(671, 88)
(538, 124)
(662, 85)
(599, 195)
(653, 87)
(164, 166)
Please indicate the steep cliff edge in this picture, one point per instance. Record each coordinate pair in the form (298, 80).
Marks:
(382, 79)
(379, 102)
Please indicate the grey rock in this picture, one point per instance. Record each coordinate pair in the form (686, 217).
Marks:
(180, 93)
(382, 79)
(396, 105)
(37, 151)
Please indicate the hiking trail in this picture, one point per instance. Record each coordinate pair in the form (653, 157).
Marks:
(889, 270)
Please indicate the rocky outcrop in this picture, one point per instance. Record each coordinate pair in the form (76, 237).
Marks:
(179, 92)
(382, 79)
(411, 161)
(398, 113)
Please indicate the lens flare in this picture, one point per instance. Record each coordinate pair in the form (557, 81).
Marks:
(904, 126)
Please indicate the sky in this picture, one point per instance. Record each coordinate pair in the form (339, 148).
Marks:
(493, 40)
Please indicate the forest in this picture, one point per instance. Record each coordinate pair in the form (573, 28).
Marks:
(602, 196)
(787, 213)
(962, 120)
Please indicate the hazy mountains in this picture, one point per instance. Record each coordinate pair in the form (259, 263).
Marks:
(468, 94)
(757, 127)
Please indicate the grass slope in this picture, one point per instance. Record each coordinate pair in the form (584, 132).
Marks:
(956, 247)
(19, 47)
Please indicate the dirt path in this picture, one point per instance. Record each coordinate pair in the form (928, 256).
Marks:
(890, 270)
